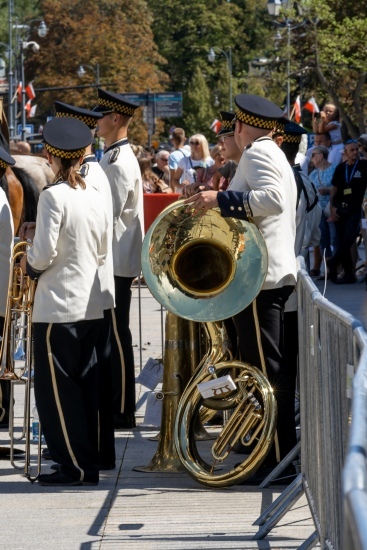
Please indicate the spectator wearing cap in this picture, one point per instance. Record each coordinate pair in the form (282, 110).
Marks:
(180, 151)
(349, 186)
(334, 153)
(263, 189)
(70, 244)
(123, 173)
(7, 237)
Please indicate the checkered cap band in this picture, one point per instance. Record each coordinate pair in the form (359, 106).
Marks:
(117, 107)
(292, 138)
(227, 124)
(254, 120)
(90, 121)
(64, 154)
(279, 127)
(3, 164)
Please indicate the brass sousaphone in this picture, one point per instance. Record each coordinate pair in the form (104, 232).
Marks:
(206, 269)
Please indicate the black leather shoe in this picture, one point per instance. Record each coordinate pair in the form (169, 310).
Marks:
(346, 280)
(102, 467)
(46, 454)
(286, 477)
(124, 421)
(57, 479)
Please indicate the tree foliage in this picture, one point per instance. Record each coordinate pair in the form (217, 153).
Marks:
(109, 33)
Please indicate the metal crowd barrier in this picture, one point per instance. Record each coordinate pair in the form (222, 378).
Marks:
(332, 348)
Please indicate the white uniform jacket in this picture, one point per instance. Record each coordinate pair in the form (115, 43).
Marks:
(6, 247)
(70, 244)
(270, 195)
(95, 176)
(123, 172)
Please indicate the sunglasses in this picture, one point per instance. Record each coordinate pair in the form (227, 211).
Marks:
(164, 160)
(351, 141)
(194, 142)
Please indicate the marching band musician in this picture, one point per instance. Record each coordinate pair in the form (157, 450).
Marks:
(94, 175)
(70, 244)
(263, 189)
(123, 172)
(6, 247)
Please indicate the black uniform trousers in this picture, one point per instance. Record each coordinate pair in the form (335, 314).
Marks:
(123, 370)
(260, 329)
(347, 230)
(66, 392)
(4, 391)
(105, 393)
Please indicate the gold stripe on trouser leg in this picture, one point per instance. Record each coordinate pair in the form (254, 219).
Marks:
(263, 367)
(121, 353)
(58, 404)
(2, 409)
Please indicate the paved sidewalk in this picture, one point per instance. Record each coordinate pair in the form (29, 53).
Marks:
(139, 510)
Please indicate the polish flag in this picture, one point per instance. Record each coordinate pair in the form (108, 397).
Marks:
(32, 111)
(19, 92)
(311, 106)
(28, 108)
(30, 91)
(216, 125)
(296, 112)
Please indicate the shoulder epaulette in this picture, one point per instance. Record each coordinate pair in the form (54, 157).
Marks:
(84, 170)
(114, 155)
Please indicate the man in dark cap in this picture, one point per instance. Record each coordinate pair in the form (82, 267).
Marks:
(263, 189)
(123, 172)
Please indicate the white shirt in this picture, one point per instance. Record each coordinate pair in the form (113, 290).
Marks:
(95, 176)
(123, 173)
(69, 245)
(265, 173)
(6, 247)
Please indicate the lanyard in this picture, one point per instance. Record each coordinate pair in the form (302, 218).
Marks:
(352, 172)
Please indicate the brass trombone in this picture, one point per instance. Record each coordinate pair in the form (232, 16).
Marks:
(207, 268)
(18, 332)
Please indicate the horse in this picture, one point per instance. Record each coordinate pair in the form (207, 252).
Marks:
(19, 187)
(37, 168)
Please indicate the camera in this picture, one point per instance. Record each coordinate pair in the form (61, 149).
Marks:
(317, 115)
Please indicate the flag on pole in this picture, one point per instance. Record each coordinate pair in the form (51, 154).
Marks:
(297, 110)
(311, 106)
(32, 112)
(28, 108)
(30, 91)
(19, 92)
(216, 125)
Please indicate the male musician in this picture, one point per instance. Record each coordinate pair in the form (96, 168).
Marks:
(6, 238)
(264, 190)
(123, 172)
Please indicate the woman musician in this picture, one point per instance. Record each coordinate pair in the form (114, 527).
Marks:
(70, 243)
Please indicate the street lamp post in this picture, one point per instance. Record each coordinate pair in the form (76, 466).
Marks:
(24, 46)
(228, 55)
(81, 71)
(274, 7)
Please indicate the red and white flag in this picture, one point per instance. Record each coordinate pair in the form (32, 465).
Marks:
(216, 125)
(296, 112)
(30, 91)
(19, 92)
(32, 111)
(311, 106)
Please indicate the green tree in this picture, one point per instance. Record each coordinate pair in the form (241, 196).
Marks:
(199, 112)
(110, 33)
